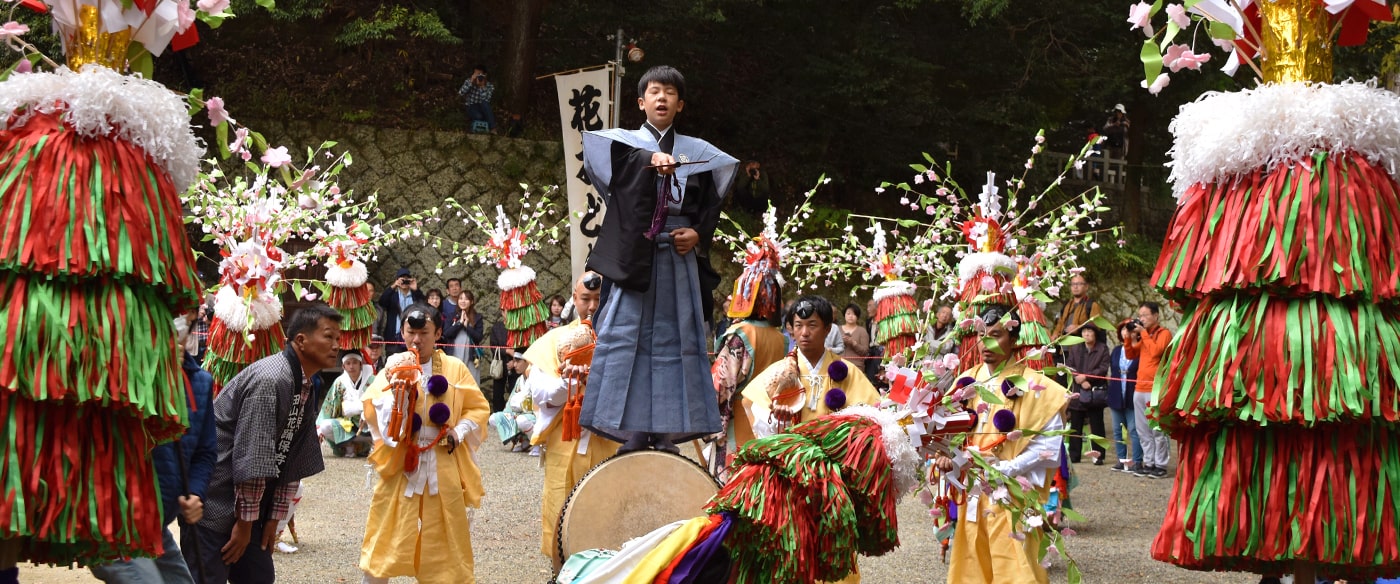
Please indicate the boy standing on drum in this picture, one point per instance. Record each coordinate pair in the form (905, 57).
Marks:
(650, 383)
(565, 460)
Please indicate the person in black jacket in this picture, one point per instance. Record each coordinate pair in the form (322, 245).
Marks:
(1121, 385)
(1089, 363)
(401, 295)
(464, 332)
(501, 386)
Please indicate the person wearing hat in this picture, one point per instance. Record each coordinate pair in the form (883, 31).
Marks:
(339, 422)
(1115, 132)
(548, 379)
(399, 296)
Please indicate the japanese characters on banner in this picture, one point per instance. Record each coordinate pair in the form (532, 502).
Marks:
(584, 102)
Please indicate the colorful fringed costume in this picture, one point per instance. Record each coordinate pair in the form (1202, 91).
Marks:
(1282, 385)
(247, 324)
(94, 264)
(526, 312)
(800, 507)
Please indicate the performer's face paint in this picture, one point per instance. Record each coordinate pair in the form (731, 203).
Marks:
(661, 103)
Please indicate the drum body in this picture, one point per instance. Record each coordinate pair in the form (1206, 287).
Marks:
(629, 495)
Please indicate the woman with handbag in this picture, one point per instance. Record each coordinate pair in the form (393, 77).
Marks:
(1088, 391)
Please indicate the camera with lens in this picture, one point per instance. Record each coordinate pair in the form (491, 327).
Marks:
(1135, 324)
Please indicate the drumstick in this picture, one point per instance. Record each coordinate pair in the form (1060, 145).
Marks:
(700, 453)
(675, 164)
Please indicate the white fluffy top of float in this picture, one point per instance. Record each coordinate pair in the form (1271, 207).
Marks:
(512, 278)
(897, 445)
(352, 277)
(985, 263)
(1222, 135)
(893, 288)
(231, 308)
(101, 102)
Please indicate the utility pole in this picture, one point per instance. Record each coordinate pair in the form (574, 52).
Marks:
(618, 70)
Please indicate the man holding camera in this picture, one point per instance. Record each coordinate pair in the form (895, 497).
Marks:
(477, 92)
(402, 294)
(1146, 342)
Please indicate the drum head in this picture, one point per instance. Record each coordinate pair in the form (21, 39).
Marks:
(629, 495)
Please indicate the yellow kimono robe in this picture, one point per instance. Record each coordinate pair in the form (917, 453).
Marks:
(564, 466)
(424, 535)
(858, 390)
(983, 550)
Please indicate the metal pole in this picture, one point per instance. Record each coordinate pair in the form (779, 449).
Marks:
(617, 81)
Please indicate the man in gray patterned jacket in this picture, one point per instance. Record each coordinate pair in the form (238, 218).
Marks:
(266, 420)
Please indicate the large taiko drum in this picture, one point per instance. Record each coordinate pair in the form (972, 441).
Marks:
(629, 495)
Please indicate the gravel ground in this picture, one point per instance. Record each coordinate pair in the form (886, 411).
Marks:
(1122, 511)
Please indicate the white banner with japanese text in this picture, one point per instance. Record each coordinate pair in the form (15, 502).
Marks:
(585, 102)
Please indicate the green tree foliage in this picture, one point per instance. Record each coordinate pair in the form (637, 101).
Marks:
(390, 21)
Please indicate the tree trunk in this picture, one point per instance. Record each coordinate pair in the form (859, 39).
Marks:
(1132, 198)
(518, 55)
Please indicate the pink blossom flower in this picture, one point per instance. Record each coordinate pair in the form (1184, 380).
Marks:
(24, 66)
(1001, 495)
(988, 284)
(925, 497)
(276, 157)
(1017, 535)
(184, 16)
(1053, 291)
(213, 7)
(1093, 454)
(219, 115)
(1068, 532)
(1177, 14)
(932, 175)
(1140, 16)
(1047, 454)
(982, 407)
(919, 179)
(1014, 435)
(928, 305)
(950, 361)
(1180, 57)
(1035, 521)
(12, 29)
(1157, 84)
(879, 190)
(930, 209)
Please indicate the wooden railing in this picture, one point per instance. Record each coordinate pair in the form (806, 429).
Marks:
(1106, 173)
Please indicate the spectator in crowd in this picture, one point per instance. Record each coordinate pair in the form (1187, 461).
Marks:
(1147, 341)
(1122, 373)
(476, 94)
(1115, 132)
(556, 311)
(942, 324)
(514, 423)
(1080, 308)
(854, 336)
(434, 298)
(506, 380)
(401, 295)
(201, 330)
(267, 445)
(872, 366)
(465, 332)
(374, 354)
(1088, 393)
(449, 300)
(339, 422)
(183, 468)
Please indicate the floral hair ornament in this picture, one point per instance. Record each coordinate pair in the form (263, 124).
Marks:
(758, 289)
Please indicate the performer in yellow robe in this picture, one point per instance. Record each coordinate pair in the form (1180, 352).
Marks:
(419, 523)
(565, 461)
(810, 383)
(983, 550)
(823, 388)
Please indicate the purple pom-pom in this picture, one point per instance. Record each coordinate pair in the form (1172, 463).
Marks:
(417, 423)
(953, 510)
(1008, 389)
(964, 382)
(835, 399)
(838, 371)
(439, 413)
(1004, 420)
(437, 385)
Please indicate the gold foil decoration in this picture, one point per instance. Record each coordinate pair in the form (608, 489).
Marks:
(1297, 41)
(88, 43)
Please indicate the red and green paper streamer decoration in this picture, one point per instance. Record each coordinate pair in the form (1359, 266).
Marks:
(527, 314)
(1281, 385)
(93, 266)
(230, 351)
(896, 316)
(357, 315)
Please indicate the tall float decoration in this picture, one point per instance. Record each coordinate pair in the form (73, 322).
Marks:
(94, 267)
(1283, 385)
(506, 244)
